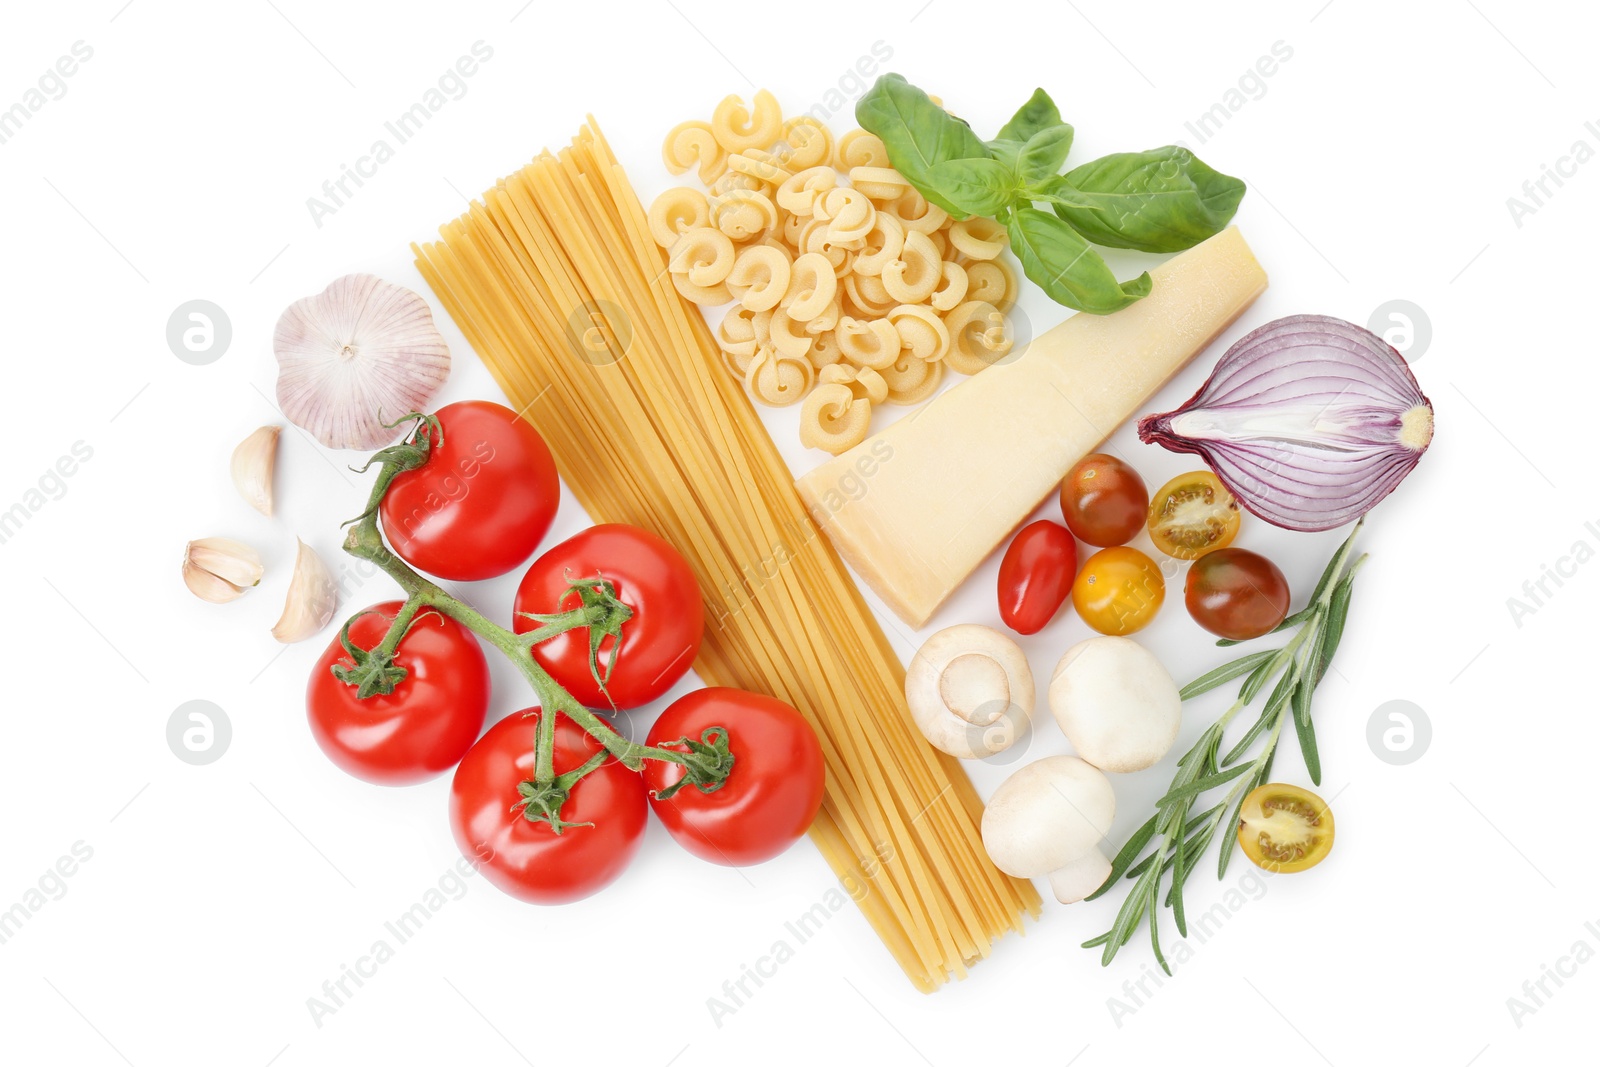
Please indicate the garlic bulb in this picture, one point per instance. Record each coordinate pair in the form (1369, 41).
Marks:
(311, 601)
(252, 465)
(361, 353)
(219, 569)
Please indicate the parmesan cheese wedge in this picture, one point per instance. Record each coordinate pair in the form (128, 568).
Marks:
(916, 508)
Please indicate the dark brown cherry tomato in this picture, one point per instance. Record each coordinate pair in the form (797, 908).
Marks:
(1036, 575)
(1236, 593)
(1104, 501)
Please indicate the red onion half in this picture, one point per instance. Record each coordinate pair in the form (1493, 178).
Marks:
(1309, 421)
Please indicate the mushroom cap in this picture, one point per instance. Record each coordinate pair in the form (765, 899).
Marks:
(1116, 703)
(970, 691)
(1047, 816)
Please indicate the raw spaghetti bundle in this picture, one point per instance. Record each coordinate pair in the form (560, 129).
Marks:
(557, 283)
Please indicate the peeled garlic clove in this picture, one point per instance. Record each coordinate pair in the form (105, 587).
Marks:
(311, 601)
(361, 353)
(252, 466)
(219, 569)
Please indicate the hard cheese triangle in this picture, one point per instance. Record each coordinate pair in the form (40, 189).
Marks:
(916, 508)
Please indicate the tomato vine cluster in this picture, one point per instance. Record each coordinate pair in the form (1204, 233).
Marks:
(551, 800)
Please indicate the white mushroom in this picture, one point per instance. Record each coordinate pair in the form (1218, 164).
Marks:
(1116, 703)
(1049, 819)
(970, 691)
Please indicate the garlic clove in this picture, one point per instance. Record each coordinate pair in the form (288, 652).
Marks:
(311, 601)
(359, 354)
(252, 465)
(219, 569)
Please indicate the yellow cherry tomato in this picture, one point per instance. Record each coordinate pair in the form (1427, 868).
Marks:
(1192, 515)
(1284, 829)
(1118, 591)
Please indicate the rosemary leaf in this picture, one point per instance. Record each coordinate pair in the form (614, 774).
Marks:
(1226, 673)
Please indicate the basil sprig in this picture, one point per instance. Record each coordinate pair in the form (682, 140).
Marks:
(1162, 200)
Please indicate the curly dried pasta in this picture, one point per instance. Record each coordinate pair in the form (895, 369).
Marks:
(834, 419)
(809, 143)
(858, 148)
(912, 380)
(737, 128)
(922, 332)
(693, 144)
(779, 380)
(980, 337)
(978, 237)
(871, 343)
(849, 288)
(760, 276)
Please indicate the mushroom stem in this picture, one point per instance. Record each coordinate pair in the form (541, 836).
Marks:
(1080, 877)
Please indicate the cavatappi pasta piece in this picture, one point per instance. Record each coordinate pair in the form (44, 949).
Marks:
(779, 380)
(978, 237)
(677, 211)
(941, 243)
(809, 143)
(734, 182)
(849, 213)
(792, 225)
(912, 380)
(864, 382)
(952, 287)
(760, 276)
(738, 363)
(814, 238)
(867, 296)
(871, 343)
(912, 277)
(980, 337)
(737, 128)
(692, 144)
(759, 164)
(703, 256)
(706, 295)
(744, 215)
(798, 193)
(858, 148)
(883, 184)
(812, 286)
(826, 320)
(922, 332)
(834, 419)
(881, 246)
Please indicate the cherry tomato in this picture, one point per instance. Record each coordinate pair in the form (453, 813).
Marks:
(1236, 593)
(1103, 500)
(659, 643)
(1193, 514)
(772, 793)
(481, 503)
(529, 860)
(1285, 829)
(1118, 591)
(426, 724)
(1036, 575)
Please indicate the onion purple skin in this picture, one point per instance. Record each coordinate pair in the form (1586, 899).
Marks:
(1309, 421)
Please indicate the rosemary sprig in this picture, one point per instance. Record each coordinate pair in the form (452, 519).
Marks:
(1171, 842)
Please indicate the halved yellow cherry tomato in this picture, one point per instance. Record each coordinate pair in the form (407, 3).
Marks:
(1284, 829)
(1118, 591)
(1193, 514)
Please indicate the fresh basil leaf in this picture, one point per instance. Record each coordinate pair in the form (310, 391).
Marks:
(1061, 263)
(918, 135)
(1041, 157)
(976, 186)
(1039, 113)
(1163, 200)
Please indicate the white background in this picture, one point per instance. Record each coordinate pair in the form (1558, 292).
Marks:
(218, 899)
